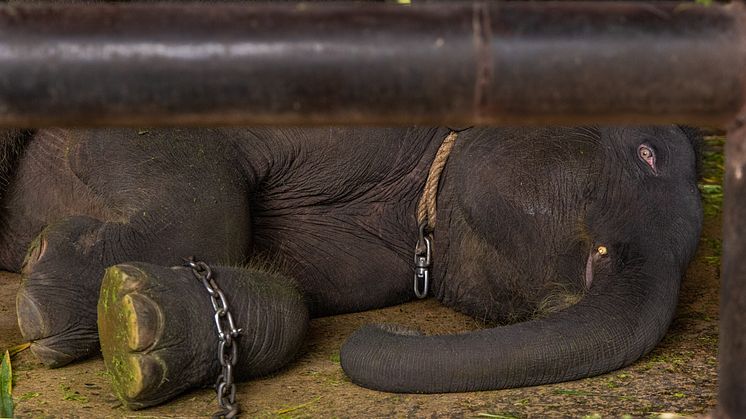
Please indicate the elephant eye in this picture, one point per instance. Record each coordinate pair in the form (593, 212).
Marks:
(647, 155)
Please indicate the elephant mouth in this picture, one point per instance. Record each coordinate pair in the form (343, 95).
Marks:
(593, 257)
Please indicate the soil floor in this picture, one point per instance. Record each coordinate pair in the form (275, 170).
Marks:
(678, 378)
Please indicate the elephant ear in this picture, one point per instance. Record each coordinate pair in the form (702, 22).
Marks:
(696, 139)
(12, 144)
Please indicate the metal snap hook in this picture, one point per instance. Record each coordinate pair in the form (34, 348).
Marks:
(422, 263)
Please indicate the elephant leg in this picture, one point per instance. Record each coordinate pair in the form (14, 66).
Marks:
(158, 333)
(56, 302)
(61, 275)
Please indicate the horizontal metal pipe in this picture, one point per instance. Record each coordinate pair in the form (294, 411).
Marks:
(459, 63)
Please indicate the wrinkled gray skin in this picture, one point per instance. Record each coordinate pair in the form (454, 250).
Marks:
(580, 235)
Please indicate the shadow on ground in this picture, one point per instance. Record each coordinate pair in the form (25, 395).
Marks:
(679, 377)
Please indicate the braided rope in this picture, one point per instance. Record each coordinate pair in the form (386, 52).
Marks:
(426, 208)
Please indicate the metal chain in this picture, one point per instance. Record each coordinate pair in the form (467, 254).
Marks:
(227, 340)
(423, 251)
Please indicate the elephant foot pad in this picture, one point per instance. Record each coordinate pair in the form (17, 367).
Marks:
(130, 326)
(147, 355)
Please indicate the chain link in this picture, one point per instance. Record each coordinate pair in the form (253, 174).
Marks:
(227, 339)
(423, 262)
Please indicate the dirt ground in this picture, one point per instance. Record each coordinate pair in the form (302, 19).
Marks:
(679, 377)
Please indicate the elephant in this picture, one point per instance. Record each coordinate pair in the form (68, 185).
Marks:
(568, 243)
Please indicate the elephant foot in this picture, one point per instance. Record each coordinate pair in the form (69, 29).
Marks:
(158, 336)
(59, 289)
(157, 333)
(53, 348)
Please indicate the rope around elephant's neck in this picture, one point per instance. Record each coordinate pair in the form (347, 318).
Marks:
(426, 218)
(426, 208)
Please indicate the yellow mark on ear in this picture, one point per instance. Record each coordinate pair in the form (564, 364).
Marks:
(602, 250)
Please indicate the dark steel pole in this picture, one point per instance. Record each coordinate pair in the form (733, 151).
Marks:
(732, 353)
(458, 63)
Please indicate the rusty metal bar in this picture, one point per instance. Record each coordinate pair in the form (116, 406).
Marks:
(457, 63)
(732, 351)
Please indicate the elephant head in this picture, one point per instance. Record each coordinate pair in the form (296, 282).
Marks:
(572, 240)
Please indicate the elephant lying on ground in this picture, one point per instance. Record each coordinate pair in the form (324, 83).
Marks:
(576, 237)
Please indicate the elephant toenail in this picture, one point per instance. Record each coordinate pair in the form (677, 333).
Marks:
(34, 254)
(144, 321)
(38, 249)
(52, 358)
(146, 374)
(131, 278)
(30, 320)
(42, 249)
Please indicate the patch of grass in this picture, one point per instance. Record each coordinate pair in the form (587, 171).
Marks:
(333, 379)
(697, 315)
(296, 407)
(311, 373)
(28, 396)
(334, 357)
(711, 183)
(712, 260)
(6, 387)
(611, 384)
(104, 373)
(567, 392)
(15, 350)
(715, 244)
(496, 415)
(70, 395)
(665, 415)
(712, 199)
(669, 361)
(710, 340)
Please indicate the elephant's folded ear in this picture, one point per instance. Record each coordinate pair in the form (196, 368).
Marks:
(12, 144)
(696, 138)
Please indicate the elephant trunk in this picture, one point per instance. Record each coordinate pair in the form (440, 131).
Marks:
(616, 323)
